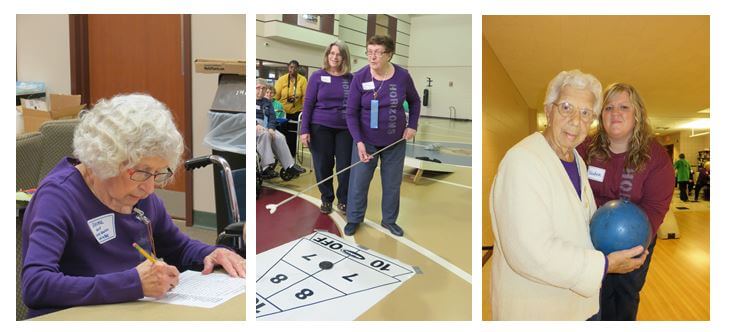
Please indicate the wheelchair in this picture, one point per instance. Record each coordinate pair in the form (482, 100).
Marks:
(234, 235)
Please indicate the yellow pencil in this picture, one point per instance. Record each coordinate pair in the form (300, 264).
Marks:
(144, 252)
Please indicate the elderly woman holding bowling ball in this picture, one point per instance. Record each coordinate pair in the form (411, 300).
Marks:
(80, 225)
(545, 266)
(625, 161)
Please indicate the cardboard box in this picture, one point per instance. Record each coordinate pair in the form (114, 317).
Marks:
(36, 111)
(220, 66)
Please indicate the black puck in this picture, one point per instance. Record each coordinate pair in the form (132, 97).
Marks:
(326, 265)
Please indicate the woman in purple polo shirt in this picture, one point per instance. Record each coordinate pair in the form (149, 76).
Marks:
(376, 119)
(80, 224)
(324, 128)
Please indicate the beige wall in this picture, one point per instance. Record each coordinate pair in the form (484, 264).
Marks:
(440, 48)
(212, 37)
(275, 41)
(506, 120)
(42, 51)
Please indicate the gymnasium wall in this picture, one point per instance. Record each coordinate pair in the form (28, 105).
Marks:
(506, 120)
(441, 49)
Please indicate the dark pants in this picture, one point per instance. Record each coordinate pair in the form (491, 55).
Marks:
(329, 146)
(700, 184)
(289, 129)
(391, 176)
(683, 191)
(620, 292)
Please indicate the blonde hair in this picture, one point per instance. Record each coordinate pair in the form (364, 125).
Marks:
(344, 51)
(638, 153)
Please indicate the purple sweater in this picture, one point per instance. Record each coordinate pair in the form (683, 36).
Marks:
(391, 115)
(326, 100)
(64, 265)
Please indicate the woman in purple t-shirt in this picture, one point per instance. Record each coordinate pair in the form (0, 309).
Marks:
(79, 227)
(324, 129)
(376, 119)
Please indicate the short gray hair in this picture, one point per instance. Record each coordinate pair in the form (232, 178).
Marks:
(121, 131)
(578, 80)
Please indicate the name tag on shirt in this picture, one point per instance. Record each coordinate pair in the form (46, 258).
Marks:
(258, 107)
(103, 228)
(326, 79)
(368, 85)
(596, 174)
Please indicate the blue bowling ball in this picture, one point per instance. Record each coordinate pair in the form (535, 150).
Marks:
(619, 225)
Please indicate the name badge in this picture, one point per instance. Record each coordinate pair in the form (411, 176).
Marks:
(374, 113)
(103, 228)
(258, 107)
(326, 79)
(596, 174)
(368, 85)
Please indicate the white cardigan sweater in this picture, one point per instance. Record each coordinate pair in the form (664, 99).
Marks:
(545, 266)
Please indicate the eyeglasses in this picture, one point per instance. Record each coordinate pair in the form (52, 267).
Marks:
(567, 109)
(142, 176)
(376, 54)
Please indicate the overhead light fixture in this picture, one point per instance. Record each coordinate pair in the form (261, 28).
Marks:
(696, 124)
(695, 134)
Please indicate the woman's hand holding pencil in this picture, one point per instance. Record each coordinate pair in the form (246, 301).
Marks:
(157, 277)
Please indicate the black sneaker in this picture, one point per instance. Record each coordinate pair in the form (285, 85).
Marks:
(326, 207)
(393, 228)
(269, 173)
(342, 207)
(351, 228)
(298, 169)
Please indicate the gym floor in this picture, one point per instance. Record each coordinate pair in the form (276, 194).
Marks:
(435, 214)
(678, 284)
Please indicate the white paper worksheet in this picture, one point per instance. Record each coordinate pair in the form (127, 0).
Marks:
(205, 291)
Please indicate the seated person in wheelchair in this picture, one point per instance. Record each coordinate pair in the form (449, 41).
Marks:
(270, 143)
(80, 225)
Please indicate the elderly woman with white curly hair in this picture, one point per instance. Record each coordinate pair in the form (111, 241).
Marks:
(80, 225)
(545, 266)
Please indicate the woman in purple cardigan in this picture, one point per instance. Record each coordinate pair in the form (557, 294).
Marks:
(324, 128)
(376, 119)
(80, 224)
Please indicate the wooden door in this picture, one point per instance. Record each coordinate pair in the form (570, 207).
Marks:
(116, 54)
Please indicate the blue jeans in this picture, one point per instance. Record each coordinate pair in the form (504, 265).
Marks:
(391, 176)
(620, 292)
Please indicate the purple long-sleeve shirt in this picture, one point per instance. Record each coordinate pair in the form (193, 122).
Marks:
(76, 251)
(391, 115)
(326, 100)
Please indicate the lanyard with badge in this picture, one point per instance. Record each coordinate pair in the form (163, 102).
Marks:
(375, 105)
(141, 217)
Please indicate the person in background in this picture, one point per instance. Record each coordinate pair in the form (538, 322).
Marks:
(290, 90)
(703, 179)
(271, 144)
(683, 174)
